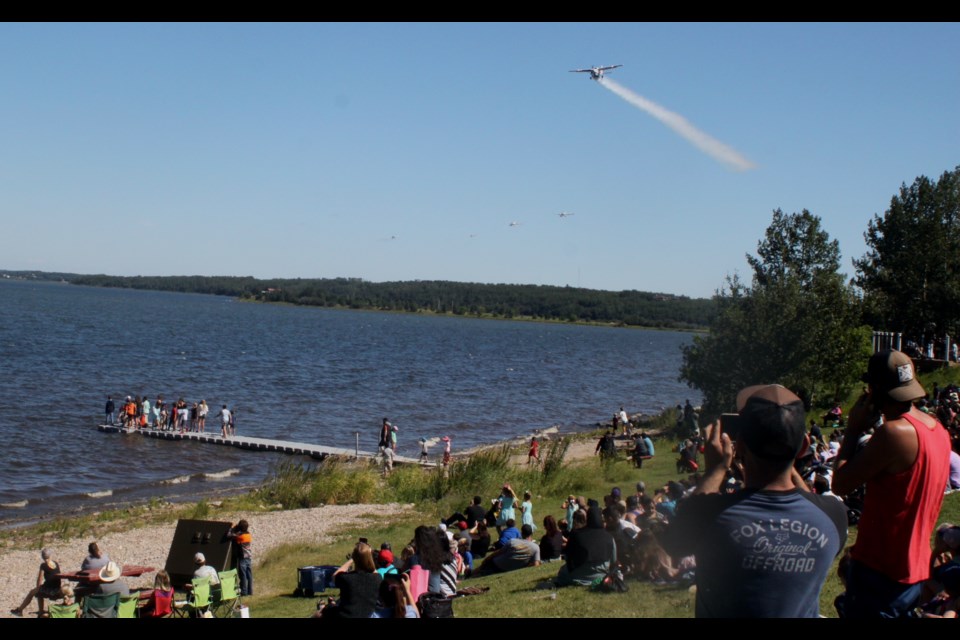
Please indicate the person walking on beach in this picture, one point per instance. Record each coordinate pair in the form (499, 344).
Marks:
(393, 437)
(534, 453)
(424, 458)
(446, 451)
(224, 421)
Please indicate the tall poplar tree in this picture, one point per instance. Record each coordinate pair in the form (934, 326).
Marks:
(910, 274)
(796, 324)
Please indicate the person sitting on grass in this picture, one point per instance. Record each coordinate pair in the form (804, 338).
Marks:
(359, 585)
(509, 533)
(480, 539)
(434, 555)
(517, 553)
(48, 585)
(551, 544)
(396, 598)
(591, 551)
(463, 549)
(385, 563)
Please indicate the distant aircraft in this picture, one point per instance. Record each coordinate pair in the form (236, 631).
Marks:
(514, 224)
(564, 214)
(595, 72)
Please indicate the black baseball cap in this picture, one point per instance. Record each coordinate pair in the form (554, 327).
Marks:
(773, 421)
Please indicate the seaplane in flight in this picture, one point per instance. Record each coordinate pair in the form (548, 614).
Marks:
(514, 224)
(564, 214)
(596, 73)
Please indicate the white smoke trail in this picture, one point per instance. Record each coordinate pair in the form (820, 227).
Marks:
(710, 146)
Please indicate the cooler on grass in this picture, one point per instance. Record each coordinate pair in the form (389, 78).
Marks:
(314, 579)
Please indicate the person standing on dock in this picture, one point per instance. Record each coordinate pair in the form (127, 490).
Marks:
(384, 434)
(202, 412)
(110, 410)
(225, 418)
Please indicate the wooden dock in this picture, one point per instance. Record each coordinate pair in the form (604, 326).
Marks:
(315, 451)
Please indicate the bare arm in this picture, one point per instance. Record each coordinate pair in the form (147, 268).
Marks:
(718, 456)
(407, 594)
(346, 566)
(892, 448)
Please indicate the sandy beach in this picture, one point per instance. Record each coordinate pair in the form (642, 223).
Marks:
(149, 546)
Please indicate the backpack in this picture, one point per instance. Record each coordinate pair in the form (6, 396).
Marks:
(435, 605)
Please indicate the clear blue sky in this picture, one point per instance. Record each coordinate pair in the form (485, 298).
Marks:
(282, 150)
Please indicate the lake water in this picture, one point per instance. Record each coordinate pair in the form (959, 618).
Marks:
(292, 373)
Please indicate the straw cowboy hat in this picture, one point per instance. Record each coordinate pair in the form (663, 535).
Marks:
(110, 572)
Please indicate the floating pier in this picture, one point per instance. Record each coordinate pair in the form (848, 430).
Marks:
(315, 451)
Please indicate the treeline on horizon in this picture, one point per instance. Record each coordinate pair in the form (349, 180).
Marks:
(567, 304)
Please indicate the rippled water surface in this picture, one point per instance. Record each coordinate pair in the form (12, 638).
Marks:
(292, 373)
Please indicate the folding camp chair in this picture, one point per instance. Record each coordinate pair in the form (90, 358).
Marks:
(225, 598)
(198, 601)
(127, 607)
(64, 610)
(97, 605)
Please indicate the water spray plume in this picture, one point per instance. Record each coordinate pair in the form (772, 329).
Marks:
(709, 145)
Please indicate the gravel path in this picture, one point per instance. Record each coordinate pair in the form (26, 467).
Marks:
(149, 546)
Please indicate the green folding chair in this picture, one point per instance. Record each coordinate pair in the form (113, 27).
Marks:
(64, 610)
(101, 605)
(198, 601)
(225, 597)
(127, 607)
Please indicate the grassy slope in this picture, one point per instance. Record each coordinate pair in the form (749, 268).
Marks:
(516, 594)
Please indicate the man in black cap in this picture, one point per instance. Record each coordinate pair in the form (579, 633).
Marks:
(763, 551)
(905, 466)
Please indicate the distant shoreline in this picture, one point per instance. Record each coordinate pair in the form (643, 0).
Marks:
(448, 314)
(522, 302)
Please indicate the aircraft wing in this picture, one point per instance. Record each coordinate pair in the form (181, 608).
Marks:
(612, 67)
(580, 70)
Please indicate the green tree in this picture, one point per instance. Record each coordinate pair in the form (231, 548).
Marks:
(910, 274)
(797, 324)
